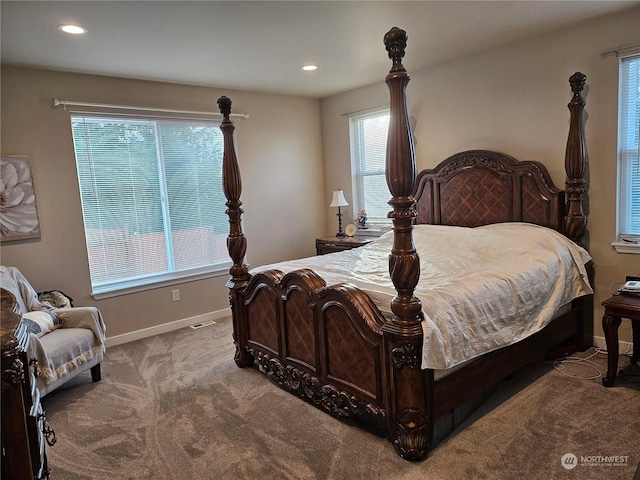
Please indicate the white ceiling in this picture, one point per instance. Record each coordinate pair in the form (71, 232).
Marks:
(260, 46)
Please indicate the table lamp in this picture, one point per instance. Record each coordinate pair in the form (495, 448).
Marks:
(339, 201)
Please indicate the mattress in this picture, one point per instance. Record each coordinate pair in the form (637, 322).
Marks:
(481, 288)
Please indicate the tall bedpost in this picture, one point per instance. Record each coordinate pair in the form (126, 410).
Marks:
(409, 415)
(575, 163)
(236, 242)
(575, 221)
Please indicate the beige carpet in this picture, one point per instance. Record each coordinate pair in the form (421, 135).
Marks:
(175, 406)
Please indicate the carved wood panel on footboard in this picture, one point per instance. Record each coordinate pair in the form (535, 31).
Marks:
(313, 340)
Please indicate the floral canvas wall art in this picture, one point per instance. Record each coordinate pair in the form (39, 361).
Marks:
(18, 209)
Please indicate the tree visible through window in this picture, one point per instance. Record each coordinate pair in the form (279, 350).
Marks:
(152, 199)
(368, 157)
(628, 149)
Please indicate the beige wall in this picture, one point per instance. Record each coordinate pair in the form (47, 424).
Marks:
(279, 150)
(514, 99)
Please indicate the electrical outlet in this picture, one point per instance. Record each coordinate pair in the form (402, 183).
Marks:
(175, 295)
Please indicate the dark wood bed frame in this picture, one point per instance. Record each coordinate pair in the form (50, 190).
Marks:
(333, 347)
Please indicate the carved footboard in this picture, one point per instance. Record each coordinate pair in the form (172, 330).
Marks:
(322, 343)
(326, 344)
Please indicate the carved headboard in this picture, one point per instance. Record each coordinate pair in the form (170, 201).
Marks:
(479, 187)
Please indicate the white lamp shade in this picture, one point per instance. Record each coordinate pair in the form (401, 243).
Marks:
(338, 199)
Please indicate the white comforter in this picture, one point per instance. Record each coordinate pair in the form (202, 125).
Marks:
(481, 288)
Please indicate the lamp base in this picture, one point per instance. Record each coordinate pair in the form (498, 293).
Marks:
(340, 231)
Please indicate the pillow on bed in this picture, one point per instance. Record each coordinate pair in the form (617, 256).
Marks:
(42, 322)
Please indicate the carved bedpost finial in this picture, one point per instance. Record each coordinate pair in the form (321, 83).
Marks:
(577, 81)
(395, 41)
(224, 104)
(575, 163)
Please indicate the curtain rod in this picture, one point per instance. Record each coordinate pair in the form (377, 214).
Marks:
(67, 103)
(372, 109)
(617, 51)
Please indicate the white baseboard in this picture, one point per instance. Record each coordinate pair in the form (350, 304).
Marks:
(623, 347)
(205, 317)
(166, 327)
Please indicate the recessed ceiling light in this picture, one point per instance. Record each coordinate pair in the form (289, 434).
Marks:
(73, 29)
(309, 68)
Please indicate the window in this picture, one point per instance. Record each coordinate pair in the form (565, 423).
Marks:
(628, 149)
(152, 200)
(368, 158)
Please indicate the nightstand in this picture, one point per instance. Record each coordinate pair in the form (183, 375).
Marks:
(338, 244)
(616, 308)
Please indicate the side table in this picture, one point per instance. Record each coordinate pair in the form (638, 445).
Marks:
(338, 244)
(616, 308)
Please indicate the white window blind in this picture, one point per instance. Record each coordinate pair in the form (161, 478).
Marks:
(628, 149)
(368, 156)
(152, 199)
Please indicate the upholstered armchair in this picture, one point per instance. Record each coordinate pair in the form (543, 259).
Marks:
(65, 341)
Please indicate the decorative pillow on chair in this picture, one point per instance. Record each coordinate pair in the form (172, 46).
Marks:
(42, 322)
(56, 299)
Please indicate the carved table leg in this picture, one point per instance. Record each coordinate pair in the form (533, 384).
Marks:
(635, 325)
(610, 326)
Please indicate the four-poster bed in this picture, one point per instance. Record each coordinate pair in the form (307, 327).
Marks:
(333, 345)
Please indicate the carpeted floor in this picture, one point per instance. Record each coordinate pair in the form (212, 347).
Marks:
(175, 406)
